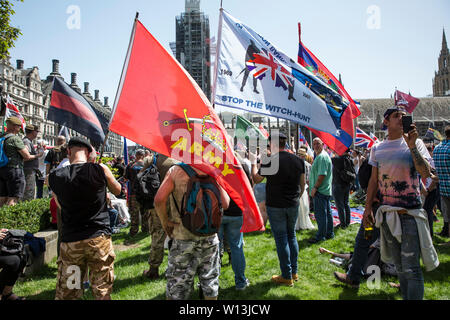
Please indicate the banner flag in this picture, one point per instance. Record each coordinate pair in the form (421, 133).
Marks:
(254, 75)
(434, 134)
(160, 106)
(343, 140)
(308, 60)
(71, 109)
(13, 111)
(247, 130)
(406, 100)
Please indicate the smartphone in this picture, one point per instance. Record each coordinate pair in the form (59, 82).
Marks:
(406, 121)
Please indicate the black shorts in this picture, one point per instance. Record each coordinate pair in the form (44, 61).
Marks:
(12, 182)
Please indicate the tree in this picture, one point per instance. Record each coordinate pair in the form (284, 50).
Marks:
(8, 33)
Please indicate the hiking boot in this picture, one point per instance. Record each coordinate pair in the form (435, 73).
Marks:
(295, 276)
(152, 273)
(283, 281)
(342, 277)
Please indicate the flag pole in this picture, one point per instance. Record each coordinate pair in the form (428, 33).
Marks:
(119, 87)
(216, 62)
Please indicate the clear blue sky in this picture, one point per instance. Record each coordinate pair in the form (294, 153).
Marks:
(401, 53)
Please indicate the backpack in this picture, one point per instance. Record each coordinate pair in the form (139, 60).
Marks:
(13, 243)
(201, 210)
(147, 185)
(3, 157)
(364, 173)
(348, 173)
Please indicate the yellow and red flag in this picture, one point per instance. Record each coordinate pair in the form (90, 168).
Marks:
(160, 106)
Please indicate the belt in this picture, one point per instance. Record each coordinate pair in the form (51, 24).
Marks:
(402, 211)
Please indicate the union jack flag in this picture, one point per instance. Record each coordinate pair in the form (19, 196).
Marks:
(363, 139)
(374, 138)
(264, 62)
(301, 138)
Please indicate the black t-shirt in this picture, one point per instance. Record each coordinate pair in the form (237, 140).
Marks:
(283, 183)
(120, 169)
(81, 192)
(55, 156)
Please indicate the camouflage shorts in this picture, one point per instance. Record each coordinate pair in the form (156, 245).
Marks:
(188, 258)
(76, 258)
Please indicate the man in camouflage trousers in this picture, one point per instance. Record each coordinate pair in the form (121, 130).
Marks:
(157, 233)
(189, 254)
(134, 207)
(86, 245)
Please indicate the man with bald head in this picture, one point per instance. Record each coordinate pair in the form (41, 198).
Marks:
(320, 191)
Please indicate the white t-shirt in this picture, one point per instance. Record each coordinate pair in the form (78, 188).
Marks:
(42, 166)
(398, 179)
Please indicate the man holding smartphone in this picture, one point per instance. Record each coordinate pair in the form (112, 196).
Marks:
(396, 164)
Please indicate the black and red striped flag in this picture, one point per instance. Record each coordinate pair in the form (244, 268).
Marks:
(69, 108)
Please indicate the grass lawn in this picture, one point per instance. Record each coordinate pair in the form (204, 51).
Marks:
(316, 273)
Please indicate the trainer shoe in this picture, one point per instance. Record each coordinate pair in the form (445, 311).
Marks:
(247, 283)
(283, 281)
(342, 277)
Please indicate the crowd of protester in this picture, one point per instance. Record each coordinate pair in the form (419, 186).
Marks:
(404, 176)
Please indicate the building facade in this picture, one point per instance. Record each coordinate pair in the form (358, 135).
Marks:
(32, 96)
(192, 45)
(441, 80)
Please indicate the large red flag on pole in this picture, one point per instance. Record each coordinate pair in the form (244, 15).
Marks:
(159, 106)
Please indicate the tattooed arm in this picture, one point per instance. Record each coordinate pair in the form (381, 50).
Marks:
(422, 166)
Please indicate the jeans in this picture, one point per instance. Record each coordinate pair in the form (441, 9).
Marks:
(322, 212)
(231, 228)
(341, 193)
(406, 257)
(360, 253)
(282, 222)
(430, 201)
(39, 188)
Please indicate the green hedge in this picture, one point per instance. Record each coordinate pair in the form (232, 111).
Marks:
(32, 216)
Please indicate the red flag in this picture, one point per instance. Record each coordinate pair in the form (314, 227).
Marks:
(12, 111)
(160, 106)
(406, 100)
(263, 131)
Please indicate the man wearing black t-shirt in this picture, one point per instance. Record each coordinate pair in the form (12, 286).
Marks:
(285, 173)
(80, 192)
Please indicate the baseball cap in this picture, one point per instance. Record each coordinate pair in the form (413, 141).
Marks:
(14, 120)
(390, 111)
(77, 141)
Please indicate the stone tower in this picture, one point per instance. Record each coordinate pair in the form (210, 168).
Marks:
(441, 81)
